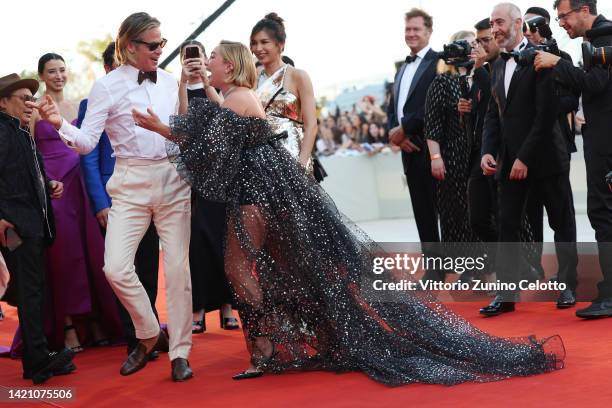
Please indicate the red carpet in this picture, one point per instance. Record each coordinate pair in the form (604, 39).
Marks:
(217, 354)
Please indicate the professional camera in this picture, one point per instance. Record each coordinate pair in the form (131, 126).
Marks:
(526, 57)
(539, 24)
(457, 54)
(595, 56)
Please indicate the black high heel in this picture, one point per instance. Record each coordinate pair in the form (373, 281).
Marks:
(246, 375)
(201, 326)
(75, 349)
(228, 323)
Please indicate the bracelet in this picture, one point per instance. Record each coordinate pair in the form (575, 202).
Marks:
(435, 156)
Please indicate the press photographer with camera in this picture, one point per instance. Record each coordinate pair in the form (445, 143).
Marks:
(579, 19)
(524, 148)
(449, 137)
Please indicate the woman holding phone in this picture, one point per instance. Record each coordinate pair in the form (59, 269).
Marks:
(210, 289)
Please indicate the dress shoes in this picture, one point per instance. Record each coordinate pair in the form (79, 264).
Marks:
(599, 308)
(497, 307)
(139, 357)
(55, 362)
(567, 298)
(181, 370)
(67, 369)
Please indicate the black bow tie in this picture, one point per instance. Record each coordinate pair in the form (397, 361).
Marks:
(505, 55)
(411, 58)
(151, 76)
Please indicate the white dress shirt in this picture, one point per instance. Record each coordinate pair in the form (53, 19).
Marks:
(406, 82)
(511, 66)
(109, 108)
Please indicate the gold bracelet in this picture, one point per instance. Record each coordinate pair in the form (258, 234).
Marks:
(435, 156)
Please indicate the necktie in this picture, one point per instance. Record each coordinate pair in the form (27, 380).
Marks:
(505, 55)
(151, 76)
(411, 58)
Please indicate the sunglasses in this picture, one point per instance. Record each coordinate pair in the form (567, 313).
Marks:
(152, 46)
(25, 98)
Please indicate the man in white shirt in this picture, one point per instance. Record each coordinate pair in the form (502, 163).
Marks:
(406, 118)
(145, 186)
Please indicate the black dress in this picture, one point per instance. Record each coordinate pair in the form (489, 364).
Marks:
(209, 285)
(443, 125)
(296, 267)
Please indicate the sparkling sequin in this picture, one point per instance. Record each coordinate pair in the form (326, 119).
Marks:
(296, 266)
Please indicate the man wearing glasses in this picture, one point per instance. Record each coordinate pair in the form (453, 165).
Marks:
(579, 19)
(145, 186)
(26, 227)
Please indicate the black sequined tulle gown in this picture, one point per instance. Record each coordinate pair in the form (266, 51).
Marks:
(296, 267)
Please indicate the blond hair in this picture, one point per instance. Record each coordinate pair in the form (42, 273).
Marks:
(130, 30)
(443, 67)
(244, 73)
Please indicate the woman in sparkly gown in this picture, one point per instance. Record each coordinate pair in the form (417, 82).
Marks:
(296, 266)
(285, 93)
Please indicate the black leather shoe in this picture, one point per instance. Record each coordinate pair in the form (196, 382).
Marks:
(56, 361)
(139, 357)
(245, 375)
(601, 308)
(567, 298)
(181, 370)
(497, 307)
(154, 355)
(67, 369)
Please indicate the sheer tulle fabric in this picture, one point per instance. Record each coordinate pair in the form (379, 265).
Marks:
(296, 268)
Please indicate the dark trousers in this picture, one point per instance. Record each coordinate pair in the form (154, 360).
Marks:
(482, 206)
(147, 269)
(422, 187)
(27, 291)
(599, 210)
(553, 192)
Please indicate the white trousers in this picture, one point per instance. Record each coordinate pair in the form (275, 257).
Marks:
(142, 190)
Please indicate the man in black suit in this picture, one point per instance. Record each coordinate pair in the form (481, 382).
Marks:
(579, 19)
(525, 149)
(26, 227)
(406, 113)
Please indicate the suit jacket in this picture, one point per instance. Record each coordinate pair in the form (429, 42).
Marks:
(23, 201)
(569, 101)
(596, 89)
(524, 124)
(97, 166)
(414, 108)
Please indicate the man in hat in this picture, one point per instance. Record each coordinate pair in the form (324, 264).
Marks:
(26, 227)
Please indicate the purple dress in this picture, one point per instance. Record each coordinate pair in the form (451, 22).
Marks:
(76, 282)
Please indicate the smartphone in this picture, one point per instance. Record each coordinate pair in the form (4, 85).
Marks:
(192, 52)
(13, 241)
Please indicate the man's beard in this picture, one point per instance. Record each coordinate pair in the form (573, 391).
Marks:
(510, 39)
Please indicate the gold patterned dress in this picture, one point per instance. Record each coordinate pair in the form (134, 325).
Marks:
(282, 109)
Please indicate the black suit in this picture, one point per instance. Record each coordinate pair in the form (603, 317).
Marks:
(24, 202)
(523, 125)
(596, 89)
(417, 166)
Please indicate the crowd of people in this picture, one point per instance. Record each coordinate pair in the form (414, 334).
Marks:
(217, 169)
(362, 130)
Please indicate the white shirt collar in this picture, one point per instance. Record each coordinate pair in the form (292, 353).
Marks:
(521, 45)
(421, 54)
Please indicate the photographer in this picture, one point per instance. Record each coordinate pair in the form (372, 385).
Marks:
(579, 19)
(537, 31)
(482, 190)
(448, 140)
(524, 148)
